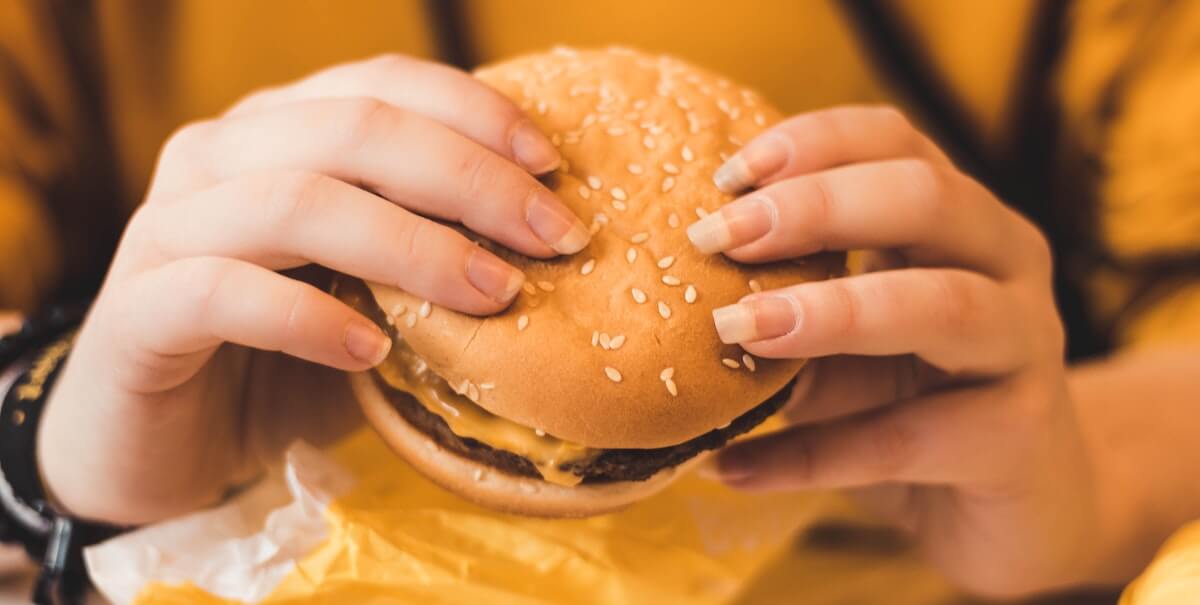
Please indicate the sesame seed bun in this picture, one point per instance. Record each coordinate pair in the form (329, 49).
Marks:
(613, 347)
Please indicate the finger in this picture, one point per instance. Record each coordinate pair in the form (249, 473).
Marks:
(834, 387)
(930, 215)
(174, 317)
(946, 437)
(404, 157)
(434, 90)
(824, 139)
(958, 321)
(282, 220)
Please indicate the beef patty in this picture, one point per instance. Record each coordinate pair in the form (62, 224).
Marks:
(616, 464)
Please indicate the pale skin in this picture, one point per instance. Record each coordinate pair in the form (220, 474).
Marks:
(200, 361)
(938, 395)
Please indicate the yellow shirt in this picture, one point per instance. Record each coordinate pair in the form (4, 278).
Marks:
(89, 91)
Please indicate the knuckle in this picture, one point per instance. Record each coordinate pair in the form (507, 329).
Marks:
(958, 309)
(895, 446)
(847, 321)
(390, 61)
(365, 118)
(484, 176)
(929, 187)
(199, 281)
(288, 197)
(821, 200)
(892, 115)
(186, 141)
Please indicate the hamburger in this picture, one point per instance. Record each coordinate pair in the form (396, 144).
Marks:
(605, 377)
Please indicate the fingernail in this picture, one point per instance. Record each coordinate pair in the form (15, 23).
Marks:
(366, 342)
(532, 149)
(493, 277)
(555, 225)
(756, 319)
(736, 224)
(757, 160)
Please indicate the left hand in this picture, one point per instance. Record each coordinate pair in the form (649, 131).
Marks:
(937, 390)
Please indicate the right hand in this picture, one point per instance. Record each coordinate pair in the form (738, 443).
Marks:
(200, 362)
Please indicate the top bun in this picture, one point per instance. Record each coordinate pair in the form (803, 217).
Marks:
(641, 137)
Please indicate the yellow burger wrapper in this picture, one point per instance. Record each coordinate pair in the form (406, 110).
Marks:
(357, 524)
(1174, 577)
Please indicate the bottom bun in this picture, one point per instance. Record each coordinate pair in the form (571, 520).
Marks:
(491, 487)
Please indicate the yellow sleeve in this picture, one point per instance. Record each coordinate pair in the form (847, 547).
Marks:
(1129, 85)
(53, 188)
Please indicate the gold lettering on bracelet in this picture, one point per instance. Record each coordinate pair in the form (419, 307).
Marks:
(35, 380)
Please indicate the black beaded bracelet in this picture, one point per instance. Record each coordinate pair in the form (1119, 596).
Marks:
(28, 519)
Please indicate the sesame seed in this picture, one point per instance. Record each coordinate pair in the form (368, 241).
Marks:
(670, 280)
(616, 342)
(673, 220)
(601, 218)
(487, 386)
(390, 319)
(522, 323)
(473, 392)
(478, 475)
(665, 262)
(594, 228)
(615, 131)
(670, 168)
(724, 156)
(687, 154)
(730, 363)
(664, 310)
(426, 309)
(605, 117)
(735, 113)
(666, 374)
(631, 255)
(588, 120)
(735, 140)
(619, 205)
(556, 139)
(605, 341)
(723, 105)
(529, 289)
(749, 362)
(594, 182)
(410, 320)
(635, 169)
(640, 238)
(671, 388)
(539, 432)
(755, 286)
(648, 142)
(638, 295)
(595, 338)
(612, 373)
(682, 103)
(542, 107)
(584, 192)
(668, 184)
(545, 285)
(694, 127)
(639, 104)
(619, 194)
(399, 309)
(588, 266)
(700, 212)
(689, 295)
(759, 119)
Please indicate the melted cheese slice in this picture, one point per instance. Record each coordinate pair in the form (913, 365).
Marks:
(404, 370)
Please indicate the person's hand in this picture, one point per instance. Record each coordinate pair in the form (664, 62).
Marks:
(199, 361)
(937, 393)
